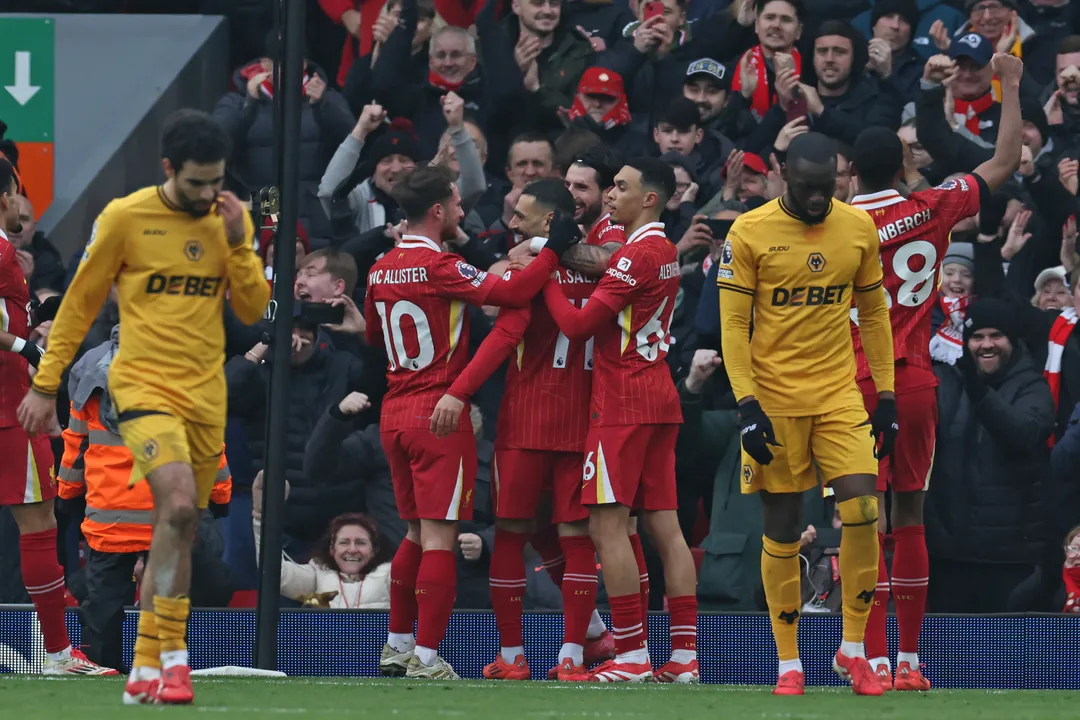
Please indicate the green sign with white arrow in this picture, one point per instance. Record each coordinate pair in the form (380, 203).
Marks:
(27, 97)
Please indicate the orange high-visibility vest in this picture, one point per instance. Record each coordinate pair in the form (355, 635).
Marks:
(97, 464)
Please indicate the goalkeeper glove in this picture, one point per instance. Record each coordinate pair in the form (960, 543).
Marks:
(28, 350)
(757, 432)
(885, 427)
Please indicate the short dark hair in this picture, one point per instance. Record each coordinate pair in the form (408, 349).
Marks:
(422, 189)
(604, 160)
(681, 113)
(552, 194)
(812, 147)
(879, 156)
(842, 148)
(572, 143)
(800, 11)
(1068, 45)
(194, 136)
(656, 175)
(340, 265)
(528, 137)
(7, 176)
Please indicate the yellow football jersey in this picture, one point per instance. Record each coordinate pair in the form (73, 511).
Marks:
(802, 280)
(172, 272)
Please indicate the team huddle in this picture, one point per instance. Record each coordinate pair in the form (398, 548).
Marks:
(825, 333)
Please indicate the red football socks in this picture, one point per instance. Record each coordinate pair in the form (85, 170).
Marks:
(911, 575)
(546, 544)
(643, 577)
(403, 571)
(436, 590)
(44, 581)
(876, 643)
(578, 587)
(683, 611)
(626, 625)
(507, 583)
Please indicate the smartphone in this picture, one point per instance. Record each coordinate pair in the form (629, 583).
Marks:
(653, 9)
(315, 313)
(719, 228)
(797, 106)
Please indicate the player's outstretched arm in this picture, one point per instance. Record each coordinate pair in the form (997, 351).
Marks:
(27, 349)
(493, 351)
(518, 290)
(575, 323)
(249, 292)
(1010, 140)
(101, 261)
(590, 260)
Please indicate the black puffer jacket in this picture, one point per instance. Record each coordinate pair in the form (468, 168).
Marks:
(250, 124)
(324, 379)
(985, 499)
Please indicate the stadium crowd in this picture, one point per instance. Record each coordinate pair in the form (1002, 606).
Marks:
(508, 93)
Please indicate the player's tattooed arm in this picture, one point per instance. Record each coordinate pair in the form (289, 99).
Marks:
(589, 260)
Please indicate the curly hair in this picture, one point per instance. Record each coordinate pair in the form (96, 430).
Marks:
(323, 555)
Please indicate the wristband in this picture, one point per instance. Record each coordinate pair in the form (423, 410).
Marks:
(537, 244)
(18, 345)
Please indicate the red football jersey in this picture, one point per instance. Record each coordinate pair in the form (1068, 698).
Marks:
(631, 381)
(416, 307)
(549, 382)
(14, 319)
(914, 234)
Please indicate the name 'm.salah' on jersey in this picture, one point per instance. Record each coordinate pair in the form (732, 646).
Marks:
(549, 382)
(914, 235)
(631, 382)
(14, 319)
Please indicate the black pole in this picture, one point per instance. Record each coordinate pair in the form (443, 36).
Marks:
(279, 102)
(292, 72)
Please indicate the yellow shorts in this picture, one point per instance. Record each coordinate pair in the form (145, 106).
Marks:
(838, 443)
(157, 439)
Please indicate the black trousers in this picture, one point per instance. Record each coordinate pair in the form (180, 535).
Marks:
(978, 588)
(110, 587)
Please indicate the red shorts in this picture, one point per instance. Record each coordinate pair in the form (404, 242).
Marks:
(26, 468)
(632, 465)
(522, 476)
(434, 478)
(907, 469)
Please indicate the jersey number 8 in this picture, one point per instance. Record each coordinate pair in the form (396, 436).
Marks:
(395, 341)
(917, 286)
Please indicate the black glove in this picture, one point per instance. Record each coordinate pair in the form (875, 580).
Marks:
(563, 234)
(885, 426)
(32, 353)
(45, 311)
(757, 432)
(973, 383)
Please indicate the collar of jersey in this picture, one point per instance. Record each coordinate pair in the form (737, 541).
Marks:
(419, 241)
(873, 201)
(653, 227)
(789, 213)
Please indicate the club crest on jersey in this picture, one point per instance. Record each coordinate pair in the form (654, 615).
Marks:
(193, 250)
(150, 450)
(816, 262)
(470, 273)
(747, 474)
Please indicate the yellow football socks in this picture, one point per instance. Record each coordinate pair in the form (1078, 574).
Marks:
(780, 571)
(172, 617)
(858, 563)
(147, 645)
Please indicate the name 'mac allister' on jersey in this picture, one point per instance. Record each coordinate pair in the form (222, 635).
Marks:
(172, 271)
(545, 404)
(416, 307)
(629, 318)
(14, 319)
(914, 236)
(798, 279)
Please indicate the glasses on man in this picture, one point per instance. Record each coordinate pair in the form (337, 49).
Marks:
(993, 8)
(1072, 551)
(454, 55)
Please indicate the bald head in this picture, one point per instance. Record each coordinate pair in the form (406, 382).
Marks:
(810, 172)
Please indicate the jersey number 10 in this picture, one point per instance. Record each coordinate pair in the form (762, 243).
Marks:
(917, 286)
(395, 341)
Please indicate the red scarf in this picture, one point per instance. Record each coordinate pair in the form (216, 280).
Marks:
(1072, 589)
(1062, 328)
(970, 110)
(763, 94)
(617, 116)
(947, 345)
(438, 81)
(268, 85)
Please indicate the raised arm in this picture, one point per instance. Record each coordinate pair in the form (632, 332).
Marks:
(249, 292)
(1010, 140)
(590, 260)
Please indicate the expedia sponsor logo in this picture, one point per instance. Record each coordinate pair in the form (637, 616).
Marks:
(189, 285)
(620, 275)
(809, 295)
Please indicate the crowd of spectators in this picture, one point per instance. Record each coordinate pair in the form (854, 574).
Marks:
(507, 92)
